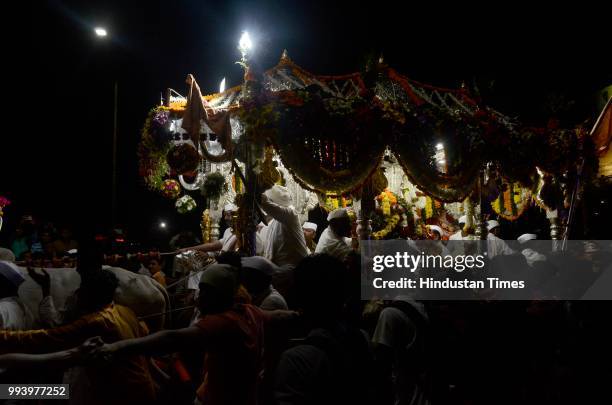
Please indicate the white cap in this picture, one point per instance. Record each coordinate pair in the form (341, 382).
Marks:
(230, 207)
(260, 264)
(279, 195)
(11, 272)
(310, 225)
(7, 255)
(338, 213)
(491, 224)
(527, 237)
(436, 228)
(463, 219)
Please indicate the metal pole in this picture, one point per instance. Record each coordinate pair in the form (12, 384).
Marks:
(114, 181)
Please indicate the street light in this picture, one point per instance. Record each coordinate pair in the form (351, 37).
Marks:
(244, 46)
(101, 32)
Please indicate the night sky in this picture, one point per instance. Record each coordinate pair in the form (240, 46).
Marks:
(56, 156)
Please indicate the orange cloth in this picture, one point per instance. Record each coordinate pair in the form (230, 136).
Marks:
(233, 362)
(160, 278)
(124, 381)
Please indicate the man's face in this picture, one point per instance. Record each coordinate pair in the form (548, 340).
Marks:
(227, 215)
(309, 234)
(495, 231)
(154, 266)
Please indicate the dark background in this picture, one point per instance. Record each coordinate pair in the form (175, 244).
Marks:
(58, 94)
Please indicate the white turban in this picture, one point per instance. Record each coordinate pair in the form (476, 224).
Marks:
(230, 207)
(436, 228)
(527, 237)
(279, 195)
(310, 225)
(492, 224)
(337, 213)
(463, 219)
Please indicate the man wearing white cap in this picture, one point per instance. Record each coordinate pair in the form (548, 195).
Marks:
(285, 243)
(310, 230)
(14, 314)
(228, 240)
(495, 245)
(228, 211)
(335, 239)
(258, 272)
(436, 231)
(457, 246)
(461, 234)
(530, 254)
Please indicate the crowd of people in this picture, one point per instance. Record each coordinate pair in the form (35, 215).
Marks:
(42, 243)
(287, 326)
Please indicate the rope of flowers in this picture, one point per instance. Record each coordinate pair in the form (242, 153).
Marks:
(391, 223)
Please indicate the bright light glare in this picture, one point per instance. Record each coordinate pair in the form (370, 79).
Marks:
(101, 32)
(245, 43)
(222, 86)
(162, 224)
(440, 146)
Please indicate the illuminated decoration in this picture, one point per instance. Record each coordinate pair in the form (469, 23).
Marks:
(214, 186)
(333, 135)
(222, 86)
(206, 227)
(185, 204)
(512, 201)
(183, 158)
(391, 223)
(197, 183)
(171, 189)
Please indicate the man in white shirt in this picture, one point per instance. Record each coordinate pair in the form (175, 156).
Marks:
(456, 245)
(285, 243)
(14, 314)
(495, 245)
(335, 239)
(228, 240)
(460, 234)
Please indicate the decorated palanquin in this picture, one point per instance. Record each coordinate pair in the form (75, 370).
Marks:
(331, 138)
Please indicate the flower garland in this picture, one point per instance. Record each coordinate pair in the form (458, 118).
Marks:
(391, 223)
(214, 186)
(170, 189)
(512, 202)
(154, 145)
(185, 204)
